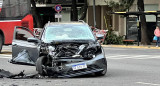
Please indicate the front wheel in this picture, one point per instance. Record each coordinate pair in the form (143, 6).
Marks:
(39, 65)
(1, 42)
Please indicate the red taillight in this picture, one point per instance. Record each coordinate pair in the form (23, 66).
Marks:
(25, 24)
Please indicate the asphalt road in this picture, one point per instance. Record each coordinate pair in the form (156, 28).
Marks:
(126, 67)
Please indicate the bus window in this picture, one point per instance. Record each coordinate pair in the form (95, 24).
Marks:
(15, 8)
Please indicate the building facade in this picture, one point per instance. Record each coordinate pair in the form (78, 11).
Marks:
(48, 13)
(120, 24)
(104, 20)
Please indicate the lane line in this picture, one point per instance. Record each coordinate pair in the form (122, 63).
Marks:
(110, 56)
(150, 84)
(132, 57)
(5, 56)
(118, 57)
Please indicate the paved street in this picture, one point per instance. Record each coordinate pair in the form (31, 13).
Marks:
(126, 67)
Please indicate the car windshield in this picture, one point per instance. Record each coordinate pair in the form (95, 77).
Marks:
(68, 32)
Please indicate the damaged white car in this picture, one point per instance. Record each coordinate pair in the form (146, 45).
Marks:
(62, 50)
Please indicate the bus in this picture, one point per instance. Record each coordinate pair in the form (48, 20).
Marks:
(14, 13)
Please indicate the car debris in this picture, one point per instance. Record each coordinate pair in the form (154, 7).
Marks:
(21, 75)
(4, 73)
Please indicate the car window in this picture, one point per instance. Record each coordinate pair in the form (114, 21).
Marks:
(15, 8)
(22, 34)
(68, 32)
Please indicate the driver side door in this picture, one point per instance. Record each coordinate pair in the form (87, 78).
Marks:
(24, 52)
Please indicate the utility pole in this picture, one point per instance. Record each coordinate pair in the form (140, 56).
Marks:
(94, 13)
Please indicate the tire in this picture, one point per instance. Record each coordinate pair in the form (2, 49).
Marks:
(40, 61)
(1, 42)
(102, 73)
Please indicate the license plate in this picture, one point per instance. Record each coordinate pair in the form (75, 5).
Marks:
(79, 66)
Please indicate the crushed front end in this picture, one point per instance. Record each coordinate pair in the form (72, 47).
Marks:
(71, 59)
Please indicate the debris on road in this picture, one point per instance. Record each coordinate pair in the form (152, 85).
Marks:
(4, 73)
(21, 75)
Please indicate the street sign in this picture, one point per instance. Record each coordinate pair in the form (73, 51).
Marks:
(57, 15)
(58, 8)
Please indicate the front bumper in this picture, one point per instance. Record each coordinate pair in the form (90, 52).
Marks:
(97, 64)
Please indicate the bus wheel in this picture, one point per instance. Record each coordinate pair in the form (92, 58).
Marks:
(1, 42)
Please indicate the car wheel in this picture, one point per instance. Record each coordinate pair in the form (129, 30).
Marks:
(40, 69)
(102, 73)
(1, 42)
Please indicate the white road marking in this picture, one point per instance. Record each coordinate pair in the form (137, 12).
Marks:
(5, 56)
(149, 84)
(141, 57)
(110, 56)
(132, 56)
(118, 57)
(115, 49)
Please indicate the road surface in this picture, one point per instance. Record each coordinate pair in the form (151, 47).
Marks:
(126, 67)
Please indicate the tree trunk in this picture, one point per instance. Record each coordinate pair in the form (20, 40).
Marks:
(84, 12)
(144, 34)
(35, 15)
(74, 12)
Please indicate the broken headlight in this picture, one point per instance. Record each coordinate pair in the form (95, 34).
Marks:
(51, 50)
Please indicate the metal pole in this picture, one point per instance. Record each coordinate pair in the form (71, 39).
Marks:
(58, 16)
(138, 26)
(156, 20)
(94, 13)
(127, 19)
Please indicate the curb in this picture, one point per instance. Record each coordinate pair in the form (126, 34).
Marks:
(6, 52)
(132, 46)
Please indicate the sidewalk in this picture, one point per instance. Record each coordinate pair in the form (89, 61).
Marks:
(152, 46)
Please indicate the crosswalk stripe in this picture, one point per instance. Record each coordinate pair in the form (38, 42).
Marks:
(110, 56)
(5, 56)
(132, 57)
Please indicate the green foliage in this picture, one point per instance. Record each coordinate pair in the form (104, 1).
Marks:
(122, 5)
(112, 38)
(41, 1)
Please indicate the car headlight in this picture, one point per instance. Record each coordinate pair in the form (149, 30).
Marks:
(51, 50)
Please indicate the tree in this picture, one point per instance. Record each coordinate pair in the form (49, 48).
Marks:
(144, 34)
(35, 14)
(123, 5)
(84, 10)
(74, 12)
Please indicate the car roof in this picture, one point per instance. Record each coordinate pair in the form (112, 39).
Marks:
(65, 23)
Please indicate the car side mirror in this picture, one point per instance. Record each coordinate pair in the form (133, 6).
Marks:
(99, 36)
(32, 39)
